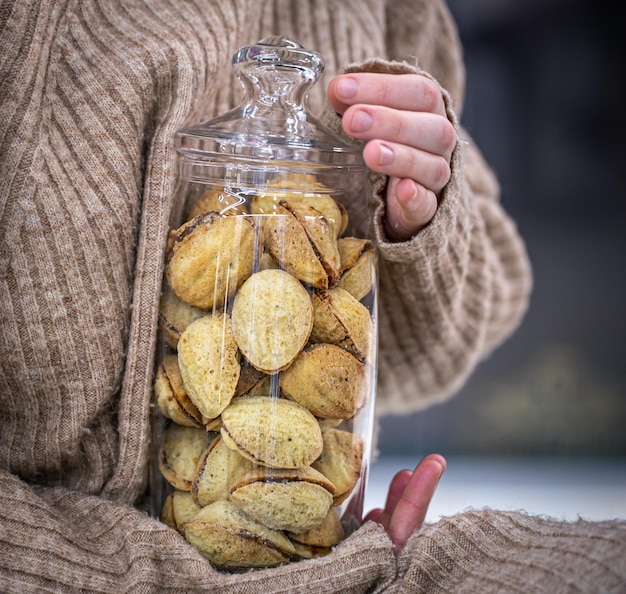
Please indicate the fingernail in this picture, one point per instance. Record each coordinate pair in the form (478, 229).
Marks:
(347, 88)
(386, 155)
(361, 121)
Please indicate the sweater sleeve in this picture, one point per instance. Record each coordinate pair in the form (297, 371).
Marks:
(500, 551)
(461, 286)
(452, 293)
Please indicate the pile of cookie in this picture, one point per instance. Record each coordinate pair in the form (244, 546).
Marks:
(268, 362)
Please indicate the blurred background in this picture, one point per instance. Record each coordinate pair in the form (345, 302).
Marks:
(545, 102)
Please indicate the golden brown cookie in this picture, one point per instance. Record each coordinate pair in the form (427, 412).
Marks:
(174, 316)
(181, 450)
(272, 317)
(209, 257)
(172, 397)
(266, 203)
(217, 471)
(168, 404)
(303, 241)
(229, 538)
(358, 265)
(178, 509)
(341, 461)
(325, 535)
(294, 500)
(208, 359)
(327, 380)
(340, 318)
(272, 431)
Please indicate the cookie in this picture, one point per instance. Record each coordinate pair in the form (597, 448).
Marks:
(208, 359)
(174, 316)
(168, 405)
(209, 257)
(303, 241)
(272, 318)
(180, 453)
(341, 461)
(327, 380)
(302, 189)
(217, 471)
(172, 397)
(272, 432)
(358, 265)
(340, 318)
(217, 200)
(326, 534)
(294, 500)
(178, 509)
(228, 538)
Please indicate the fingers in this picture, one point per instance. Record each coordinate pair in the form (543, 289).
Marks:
(410, 92)
(411, 508)
(428, 132)
(396, 488)
(410, 207)
(409, 496)
(397, 160)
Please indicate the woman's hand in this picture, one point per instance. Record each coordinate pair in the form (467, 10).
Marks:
(408, 137)
(409, 496)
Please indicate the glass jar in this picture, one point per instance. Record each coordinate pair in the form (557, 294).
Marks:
(266, 365)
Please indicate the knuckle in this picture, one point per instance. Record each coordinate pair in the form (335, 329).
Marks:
(395, 125)
(441, 173)
(430, 94)
(448, 136)
(374, 90)
(428, 205)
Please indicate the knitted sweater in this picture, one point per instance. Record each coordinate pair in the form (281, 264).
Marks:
(92, 92)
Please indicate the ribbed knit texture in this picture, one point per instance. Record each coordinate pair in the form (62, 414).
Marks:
(91, 95)
(485, 551)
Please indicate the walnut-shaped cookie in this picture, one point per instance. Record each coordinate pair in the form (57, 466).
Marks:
(228, 538)
(209, 257)
(303, 241)
(323, 536)
(327, 380)
(358, 263)
(272, 431)
(341, 319)
(180, 454)
(217, 200)
(295, 500)
(218, 469)
(302, 189)
(174, 316)
(178, 509)
(341, 461)
(208, 359)
(171, 395)
(272, 318)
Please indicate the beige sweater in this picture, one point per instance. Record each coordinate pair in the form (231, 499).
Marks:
(91, 93)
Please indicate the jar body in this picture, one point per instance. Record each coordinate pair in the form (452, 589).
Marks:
(265, 376)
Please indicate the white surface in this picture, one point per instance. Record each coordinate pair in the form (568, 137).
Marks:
(561, 488)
